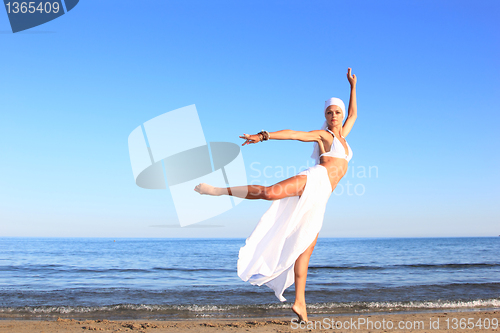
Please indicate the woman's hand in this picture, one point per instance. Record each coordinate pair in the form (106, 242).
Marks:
(352, 78)
(250, 139)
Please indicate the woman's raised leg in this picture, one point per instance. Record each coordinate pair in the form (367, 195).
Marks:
(286, 188)
(300, 270)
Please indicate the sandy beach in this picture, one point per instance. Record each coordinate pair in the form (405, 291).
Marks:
(444, 321)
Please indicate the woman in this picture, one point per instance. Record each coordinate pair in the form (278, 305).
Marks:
(278, 250)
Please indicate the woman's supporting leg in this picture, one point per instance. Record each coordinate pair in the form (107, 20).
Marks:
(287, 188)
(300, 270)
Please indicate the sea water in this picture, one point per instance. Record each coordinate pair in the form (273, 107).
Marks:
(128, 278)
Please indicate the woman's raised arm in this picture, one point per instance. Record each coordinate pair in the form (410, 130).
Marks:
(352, 113)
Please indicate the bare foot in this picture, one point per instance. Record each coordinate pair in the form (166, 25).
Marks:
(203, 188)
(300, 311)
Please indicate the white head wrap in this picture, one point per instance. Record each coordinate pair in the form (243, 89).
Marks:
(335, 101)
(328, 102)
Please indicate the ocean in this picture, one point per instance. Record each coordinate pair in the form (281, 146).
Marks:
(144, 278)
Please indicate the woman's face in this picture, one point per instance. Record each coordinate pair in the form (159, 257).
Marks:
(333, 115)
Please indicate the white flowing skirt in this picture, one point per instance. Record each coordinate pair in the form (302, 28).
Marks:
(283, 233)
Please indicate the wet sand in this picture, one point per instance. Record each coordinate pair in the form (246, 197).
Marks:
(444, 321)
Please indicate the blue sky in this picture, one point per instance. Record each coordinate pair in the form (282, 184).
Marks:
(428, 111)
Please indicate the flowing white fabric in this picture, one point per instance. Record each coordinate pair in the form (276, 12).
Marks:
(283, 233)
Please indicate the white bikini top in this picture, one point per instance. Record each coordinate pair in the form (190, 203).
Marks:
(337, 149)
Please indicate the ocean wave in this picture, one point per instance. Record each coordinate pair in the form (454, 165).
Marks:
(410, 305)
(231, 310)
(73, 269)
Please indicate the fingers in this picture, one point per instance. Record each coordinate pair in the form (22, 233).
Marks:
(244, 137)
(248, 139)
(350, 76)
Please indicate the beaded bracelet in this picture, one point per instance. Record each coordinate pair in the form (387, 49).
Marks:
(264, 135)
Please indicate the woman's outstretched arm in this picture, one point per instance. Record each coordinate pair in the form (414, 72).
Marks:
(353, 108)
(312, 136)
